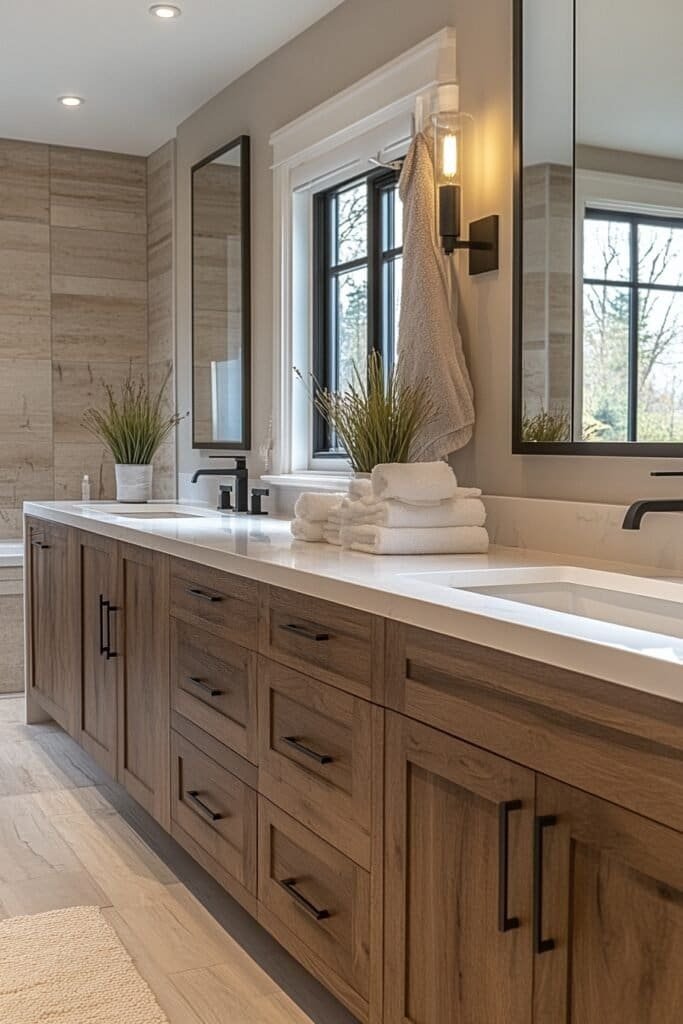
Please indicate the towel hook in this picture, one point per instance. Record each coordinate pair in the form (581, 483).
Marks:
(390, 165)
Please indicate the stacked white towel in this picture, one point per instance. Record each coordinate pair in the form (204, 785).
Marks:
(412, 509)
(311, 515)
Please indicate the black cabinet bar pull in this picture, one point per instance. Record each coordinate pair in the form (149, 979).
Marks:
(206, 812)
(111, 610)
(202, 595)
(40, 544)
(289, 885)
(505, 923)
(304, 632)
(541, 823)
(201, 685)
(103, 646)
(293, 742)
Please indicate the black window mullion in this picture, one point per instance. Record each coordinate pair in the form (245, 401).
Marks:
(633, 336)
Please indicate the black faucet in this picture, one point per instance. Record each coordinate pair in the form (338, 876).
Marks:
(241, 476)
(639, 509)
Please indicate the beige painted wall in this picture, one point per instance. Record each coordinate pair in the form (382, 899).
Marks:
(353, 40)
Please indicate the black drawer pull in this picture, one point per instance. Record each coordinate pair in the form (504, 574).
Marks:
(111, 610)
(206, 812)
(505, 923)
(39, 544)
(103, 646)
(304, 632)
(202, 595)
(293, 742)
(201, 685)
(289, 885)
(541, 945)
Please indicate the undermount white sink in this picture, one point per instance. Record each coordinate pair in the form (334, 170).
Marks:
(140, 511)
(654, 605)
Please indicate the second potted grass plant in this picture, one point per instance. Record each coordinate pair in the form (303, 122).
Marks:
(133, 426)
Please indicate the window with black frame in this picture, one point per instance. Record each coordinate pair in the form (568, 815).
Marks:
(358, 238)
(632, 353)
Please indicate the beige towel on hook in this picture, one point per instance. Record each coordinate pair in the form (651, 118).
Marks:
(429, 343)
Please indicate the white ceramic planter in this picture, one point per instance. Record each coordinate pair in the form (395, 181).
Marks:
(134, 483)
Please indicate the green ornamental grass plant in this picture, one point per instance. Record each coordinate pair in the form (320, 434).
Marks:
(133, 424)
(378, 417)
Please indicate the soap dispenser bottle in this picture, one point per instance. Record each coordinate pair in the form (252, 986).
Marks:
(85, 488)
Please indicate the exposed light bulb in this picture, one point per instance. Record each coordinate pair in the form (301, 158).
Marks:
(449, 156)
(71, 101)
(165, 11)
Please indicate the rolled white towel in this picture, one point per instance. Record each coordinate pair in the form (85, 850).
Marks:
(445, 540)
(397, 514)
(303, 529)
(414, 482)
(332, 534)
(316, 507)
(360, 487)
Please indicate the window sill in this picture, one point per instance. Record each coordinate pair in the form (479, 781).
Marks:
(311, 481)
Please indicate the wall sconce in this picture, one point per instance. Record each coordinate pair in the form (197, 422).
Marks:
(448, 129)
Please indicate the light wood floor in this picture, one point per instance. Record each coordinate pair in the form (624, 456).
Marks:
(70, 837)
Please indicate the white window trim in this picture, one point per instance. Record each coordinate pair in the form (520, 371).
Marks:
(604, 190)
(328, 145)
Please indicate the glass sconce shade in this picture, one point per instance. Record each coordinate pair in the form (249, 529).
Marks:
(448, 140)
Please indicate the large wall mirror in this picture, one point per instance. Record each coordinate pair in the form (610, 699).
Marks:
(598, 365)
(221, 299)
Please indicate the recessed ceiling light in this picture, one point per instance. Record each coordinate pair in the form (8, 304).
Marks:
(71, 101)
(165, 10)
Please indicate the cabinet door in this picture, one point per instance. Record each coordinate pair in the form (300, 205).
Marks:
(52, 618)
(99, 648)
(143, 707)
(608, 913)
(458, 881)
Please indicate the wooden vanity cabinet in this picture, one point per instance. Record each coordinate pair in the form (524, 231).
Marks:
(458, 881)
(143, 713)
(52, 624)
(608, 919)
(98, 587)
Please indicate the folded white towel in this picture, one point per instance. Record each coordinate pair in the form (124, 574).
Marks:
(414, 482)
(332, 534)
(454, 540)
(303, 529)
(316, 507)
(397, 514)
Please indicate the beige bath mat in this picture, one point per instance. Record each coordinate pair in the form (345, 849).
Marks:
(69, 967)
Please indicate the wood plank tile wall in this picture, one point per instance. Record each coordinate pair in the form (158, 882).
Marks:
(77, 253)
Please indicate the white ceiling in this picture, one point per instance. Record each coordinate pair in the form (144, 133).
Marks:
(630, 75)
(140, 76)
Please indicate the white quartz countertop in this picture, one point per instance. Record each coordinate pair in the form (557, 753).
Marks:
(263, 549)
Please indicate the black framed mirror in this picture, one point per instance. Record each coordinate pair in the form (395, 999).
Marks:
(221, 299)
(598, 348)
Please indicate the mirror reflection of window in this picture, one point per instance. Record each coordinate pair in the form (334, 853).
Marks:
(602, 222)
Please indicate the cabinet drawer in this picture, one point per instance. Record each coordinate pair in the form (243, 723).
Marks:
(214, 685)
(217, 601)
(316, 756)
(339, 645)
(214, 817)
(316, 903)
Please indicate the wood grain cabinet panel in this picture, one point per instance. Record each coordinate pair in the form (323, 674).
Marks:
(143, 686)
(609, 934)
(609, 740)
(213, 684)
(52, 623)
(317, 746)
(214, 816)
(458, 881)
(316, 902)
(100, 635)
(219, 602)
(338, 645)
